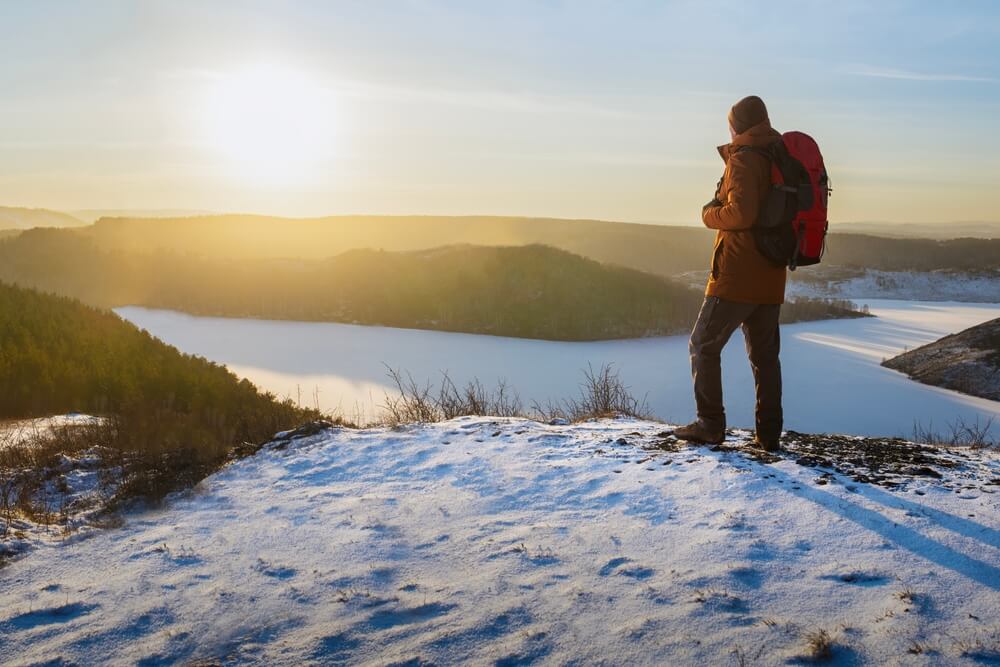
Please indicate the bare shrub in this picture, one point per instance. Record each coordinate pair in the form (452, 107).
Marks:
(414, 404)
(420, 403)
(474, 399)
(960, 433)
(602, 394)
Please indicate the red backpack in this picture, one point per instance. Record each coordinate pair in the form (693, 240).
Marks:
(791, 227)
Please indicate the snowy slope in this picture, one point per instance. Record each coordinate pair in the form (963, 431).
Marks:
(485, 541)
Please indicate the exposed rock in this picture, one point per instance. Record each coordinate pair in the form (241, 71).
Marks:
(968, 361)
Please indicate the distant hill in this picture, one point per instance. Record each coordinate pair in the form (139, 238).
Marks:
(658, 249)
(968, 361)
(91, 215)
(650, 248)
(12, 217)
(925, 230)
(529, 291)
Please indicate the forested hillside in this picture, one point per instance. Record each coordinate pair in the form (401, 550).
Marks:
(58, 355)
(526, 291)
(168, 417)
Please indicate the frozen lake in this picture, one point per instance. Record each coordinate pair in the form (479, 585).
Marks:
(833, 380)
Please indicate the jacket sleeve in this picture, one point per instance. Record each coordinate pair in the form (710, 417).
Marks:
(741, 206)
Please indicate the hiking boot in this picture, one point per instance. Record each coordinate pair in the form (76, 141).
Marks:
(698, 432)
(766, 444)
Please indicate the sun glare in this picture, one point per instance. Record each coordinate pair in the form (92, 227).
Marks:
(274, 125)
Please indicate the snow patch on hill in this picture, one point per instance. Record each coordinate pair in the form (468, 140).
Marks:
(838, 282)
(18, 432)
(983, 287)
(489, 541)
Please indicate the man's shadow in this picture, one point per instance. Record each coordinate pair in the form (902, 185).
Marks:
(987, 574)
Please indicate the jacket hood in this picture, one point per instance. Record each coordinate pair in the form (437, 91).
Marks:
(760, 135)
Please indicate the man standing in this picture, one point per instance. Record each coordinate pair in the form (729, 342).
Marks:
(744, 288)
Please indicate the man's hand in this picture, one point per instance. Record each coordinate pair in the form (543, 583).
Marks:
(712, 204)
(743, 191)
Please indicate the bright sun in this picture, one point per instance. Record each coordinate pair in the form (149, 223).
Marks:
(273, 124)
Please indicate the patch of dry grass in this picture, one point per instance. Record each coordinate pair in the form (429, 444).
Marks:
(602, 394)
(819, 645)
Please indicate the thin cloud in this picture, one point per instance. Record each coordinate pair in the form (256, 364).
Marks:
(906, 75)
(524, 102)
(521, 102)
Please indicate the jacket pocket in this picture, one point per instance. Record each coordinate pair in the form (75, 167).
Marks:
(716, 255)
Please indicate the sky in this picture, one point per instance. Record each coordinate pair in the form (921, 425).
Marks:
(573, 109)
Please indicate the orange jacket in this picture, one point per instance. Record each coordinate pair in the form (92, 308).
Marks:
(739, 272)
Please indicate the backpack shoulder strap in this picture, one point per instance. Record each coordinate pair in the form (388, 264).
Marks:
(766, 152)
(776, 156)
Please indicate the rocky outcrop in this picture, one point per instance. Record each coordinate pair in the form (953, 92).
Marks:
(968, 361)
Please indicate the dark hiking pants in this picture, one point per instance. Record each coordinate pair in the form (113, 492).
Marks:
(717, 321)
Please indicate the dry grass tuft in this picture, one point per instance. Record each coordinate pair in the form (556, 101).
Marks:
(819, 644)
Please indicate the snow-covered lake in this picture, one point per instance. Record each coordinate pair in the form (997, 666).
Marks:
(833, 380)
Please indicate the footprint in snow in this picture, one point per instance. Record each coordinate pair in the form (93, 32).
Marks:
(335, 647)
(48, 616)
(748, 576)
(389, 618)
(437, 540)
(760, 550)
(275, 571)
(859, 578)
(615, 566)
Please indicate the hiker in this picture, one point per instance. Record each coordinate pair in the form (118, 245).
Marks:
(744, 289)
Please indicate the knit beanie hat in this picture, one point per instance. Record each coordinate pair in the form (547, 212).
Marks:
(746, 113)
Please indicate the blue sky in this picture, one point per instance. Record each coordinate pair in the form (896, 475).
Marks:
(571, 109)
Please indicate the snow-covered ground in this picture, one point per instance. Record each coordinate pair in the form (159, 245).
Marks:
(485, 541)
(832, 374)
(68, 504)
